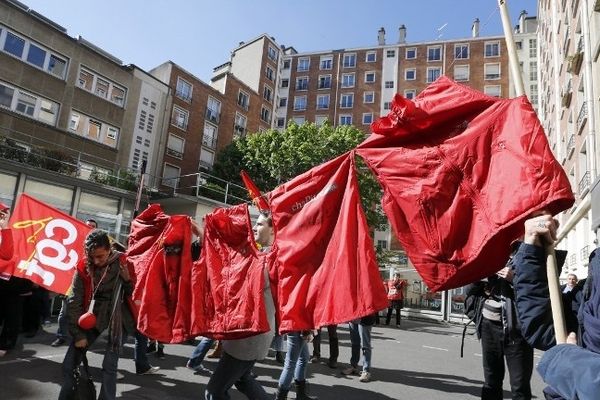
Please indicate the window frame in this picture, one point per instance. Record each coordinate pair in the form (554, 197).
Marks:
(406, 72)
(437, 48)
(406, 57)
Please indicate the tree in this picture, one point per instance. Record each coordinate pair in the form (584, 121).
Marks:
(274, 157)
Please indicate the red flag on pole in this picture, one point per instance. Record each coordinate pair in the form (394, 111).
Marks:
(48, 244)
(254, 192)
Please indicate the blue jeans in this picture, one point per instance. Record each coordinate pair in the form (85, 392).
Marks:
(277, 343)
(231, 371)
(139, 353)
(360, 336)
(200, 352)
(63, 321)
(296, 360)
(108, 391)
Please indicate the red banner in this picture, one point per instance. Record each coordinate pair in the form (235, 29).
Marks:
(48, 244)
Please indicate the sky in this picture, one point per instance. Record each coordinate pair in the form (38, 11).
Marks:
(199, 35)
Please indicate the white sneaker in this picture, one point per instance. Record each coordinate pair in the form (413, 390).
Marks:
(365, 376)
(150, 371)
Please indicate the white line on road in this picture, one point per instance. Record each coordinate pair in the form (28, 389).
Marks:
(435, 348)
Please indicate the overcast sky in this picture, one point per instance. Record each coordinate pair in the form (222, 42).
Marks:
(200, 34)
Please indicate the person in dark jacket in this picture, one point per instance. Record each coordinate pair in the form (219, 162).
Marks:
(498, 329)
(103, 286)
(582, 316)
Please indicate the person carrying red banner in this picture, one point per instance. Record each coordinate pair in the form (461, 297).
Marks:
(6, 239)
(395, 294)
(100, 287)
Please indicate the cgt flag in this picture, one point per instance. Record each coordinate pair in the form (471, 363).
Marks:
(48, 244)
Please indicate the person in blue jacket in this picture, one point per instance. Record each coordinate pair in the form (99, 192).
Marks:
(582, 316)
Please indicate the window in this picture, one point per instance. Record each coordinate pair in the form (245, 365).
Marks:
(183, 90)
(265, 114)
(285, 83)
(492, 90)
(269, 73)
(179, 118)
(347, 100)
(382, 244)
(461, 51)
(349, 60)
(283, 102)
(533, 71)
(387, 105)
(286, 64)
(492, 71)
(321, 119)
(348, 80)
(302, 83)
(29, 104)
(33, 53)
(492, 49)
(410, 94)
(326, 62)
(410, 53)
(170, 175)
(299, 103)
(367, 118)
(433, 74)
(434, 53)
(461, 73)
(371, 56)
(322, 102)
(103, 87)
(390, 53)
(324, 81)
(370, 76)
(243, 100)
(345, 119)
(369, 97)
(281, 122)
(92, 129)
(268, 94)
(239, 125)
(299, 120)
(410, 74)
(532, 48)
(303, 64)
(213, 110)
(272, 53)
(209, 136)
(389, 84)
(175, 146)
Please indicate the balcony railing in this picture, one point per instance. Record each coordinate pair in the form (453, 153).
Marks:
(174, 153)
(239, 130)
(584, 183)
(205, 185)
(209, 141)
(582, 118)
(570, 145)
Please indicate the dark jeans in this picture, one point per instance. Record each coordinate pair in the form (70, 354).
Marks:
(12, 312)
(334, 347)
(231, 371)
(140, 354)
(396, 305)
(108, 391)
(519, 358)
(200, 352)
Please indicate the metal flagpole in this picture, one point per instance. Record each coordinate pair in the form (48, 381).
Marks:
(560, 331)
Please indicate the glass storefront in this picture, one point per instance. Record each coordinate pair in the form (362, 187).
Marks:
(57, 196)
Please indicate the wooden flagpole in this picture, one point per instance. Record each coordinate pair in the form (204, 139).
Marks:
(560, 331)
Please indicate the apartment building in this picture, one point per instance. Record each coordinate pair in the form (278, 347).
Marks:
(569, 42)
(525, 36)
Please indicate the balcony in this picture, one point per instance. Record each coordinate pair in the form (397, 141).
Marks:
(571, 145)
(575, 60)
(209, 141)
(566, 95)
(582, 118)
(174, 153)
(584, 184)
(212, 115)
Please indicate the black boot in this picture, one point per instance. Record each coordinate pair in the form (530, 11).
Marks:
(281, 394)
(301, 391)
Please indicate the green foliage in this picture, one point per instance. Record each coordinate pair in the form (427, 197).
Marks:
(39, 157)
(274, 157)
(124, 179)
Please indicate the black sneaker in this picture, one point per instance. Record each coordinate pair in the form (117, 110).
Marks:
(151, 347)
(160, 353)
(58, 342)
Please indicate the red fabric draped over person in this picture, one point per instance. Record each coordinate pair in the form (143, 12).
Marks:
(461, 171)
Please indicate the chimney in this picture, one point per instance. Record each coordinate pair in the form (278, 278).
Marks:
(522, 17)
(402, 34)
(475, 28)
(381, 36)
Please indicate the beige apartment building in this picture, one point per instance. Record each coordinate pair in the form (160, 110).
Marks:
(569, 85)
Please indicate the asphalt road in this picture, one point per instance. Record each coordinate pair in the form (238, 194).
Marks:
(420, 360)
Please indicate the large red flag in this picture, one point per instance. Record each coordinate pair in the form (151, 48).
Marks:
(48, 244)
(254, 192)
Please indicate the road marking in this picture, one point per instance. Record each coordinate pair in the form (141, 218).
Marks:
(435, 348)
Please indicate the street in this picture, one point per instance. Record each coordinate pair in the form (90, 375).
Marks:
(420, 360)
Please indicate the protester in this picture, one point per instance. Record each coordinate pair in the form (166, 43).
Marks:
(395, 293)
(6, 239)
(294, 367)
(103, 285)
(195, 360)
(581, 315)
(571, 283)
(239, 356)
(360, 337)
(498, 329)
(334, 347)
(278, 345)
